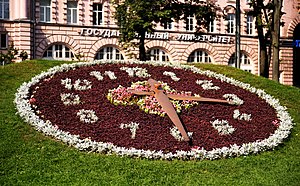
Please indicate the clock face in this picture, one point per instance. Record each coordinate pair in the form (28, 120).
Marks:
(76, 104)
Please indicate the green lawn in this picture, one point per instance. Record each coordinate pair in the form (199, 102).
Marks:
(30, 158)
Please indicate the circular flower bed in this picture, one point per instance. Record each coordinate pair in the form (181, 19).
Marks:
(73, 103)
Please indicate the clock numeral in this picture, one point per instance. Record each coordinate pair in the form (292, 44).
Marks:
(87, 116)
(233, 99)
(70, 99)
(207, 85)
(222, 126)
(241, 116)
(78, 85)
(132, 126)
(99, 76)
(136, 71)
(172, 75)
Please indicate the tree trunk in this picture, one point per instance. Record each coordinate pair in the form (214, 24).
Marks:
(264, 60)
(142, 50)
(275, 39)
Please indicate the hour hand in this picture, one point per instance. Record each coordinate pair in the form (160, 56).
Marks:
(140, 92)
(169, 109)
(195, 98)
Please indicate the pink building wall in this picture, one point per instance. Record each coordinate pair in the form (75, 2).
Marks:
(36, 37)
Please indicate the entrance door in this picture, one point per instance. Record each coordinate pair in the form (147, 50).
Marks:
(296, 54)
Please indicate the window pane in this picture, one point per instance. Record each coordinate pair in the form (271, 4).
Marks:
(6, 9)
(74, 16)
(3, 41)
(48, 14)
(1, 10)
(72, 4)
(45, 2)
(42, 14)
(69, 16)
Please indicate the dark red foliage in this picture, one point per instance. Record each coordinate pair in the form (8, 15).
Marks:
(154, 131)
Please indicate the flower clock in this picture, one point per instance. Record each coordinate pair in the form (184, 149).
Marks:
(118, 107)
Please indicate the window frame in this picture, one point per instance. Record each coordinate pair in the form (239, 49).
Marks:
(5, 37)
(250, 25)
(58, 51)
(109, 53)
(231, 23)
(71, 12)
(158, 54)
(96, 13)
(212, 27)
(245, 62)
(4, 9)
(168, 25)
(46, 9)
(189, 23)
(199, 56)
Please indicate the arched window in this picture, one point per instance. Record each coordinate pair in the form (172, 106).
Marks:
(157, 54)
(199, 56)
(109, 53)
(245, 62)
(58, 52)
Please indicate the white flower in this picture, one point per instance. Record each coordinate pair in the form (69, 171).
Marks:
(177, 135)
(136, 71)
(132, 126)
(67, 82)
(110, 74)
(222, 127)
(78, 85)
(82, 85)
(70, 99)
(243, 116)
(87, 116)
(172, 75)
(236, 113)
(207, 85)
(233, 99)
(97, 74)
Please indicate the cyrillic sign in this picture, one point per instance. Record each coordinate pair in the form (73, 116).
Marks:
(106, 33)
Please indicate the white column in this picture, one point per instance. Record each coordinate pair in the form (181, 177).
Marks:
(23, 9)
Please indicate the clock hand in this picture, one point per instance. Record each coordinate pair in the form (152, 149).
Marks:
(195, 98)
(169, 109)
(139, 92)
(167, 106)
(155, 84)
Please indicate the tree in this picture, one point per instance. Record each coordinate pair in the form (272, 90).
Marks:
(275, 32)
(135, 18)
(268, 15)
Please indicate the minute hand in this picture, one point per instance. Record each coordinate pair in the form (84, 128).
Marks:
(195, 98)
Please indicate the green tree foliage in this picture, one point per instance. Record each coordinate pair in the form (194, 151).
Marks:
(9, 56)
(135, 18)
(268, 15)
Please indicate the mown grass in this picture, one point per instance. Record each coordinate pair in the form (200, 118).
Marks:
(30, 158)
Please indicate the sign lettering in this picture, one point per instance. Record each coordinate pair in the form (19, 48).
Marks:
(106, 33)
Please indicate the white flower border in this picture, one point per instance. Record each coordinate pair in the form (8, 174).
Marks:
(25, 110)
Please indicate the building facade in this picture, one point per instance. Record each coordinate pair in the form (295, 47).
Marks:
(66, 29)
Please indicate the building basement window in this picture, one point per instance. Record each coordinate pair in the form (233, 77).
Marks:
(199, 56)
(157, 54)
(109, 53)
(58, 52)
